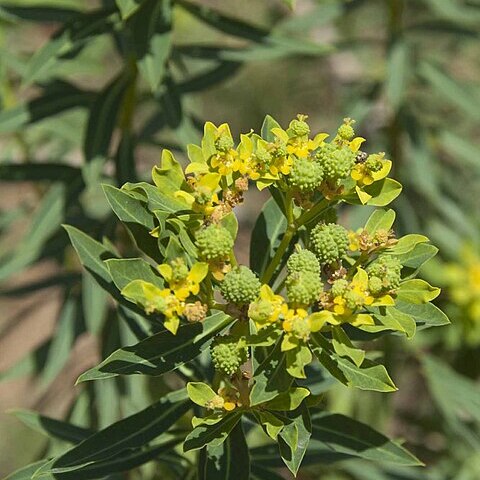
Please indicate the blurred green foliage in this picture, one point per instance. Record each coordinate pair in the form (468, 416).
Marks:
(90, 91)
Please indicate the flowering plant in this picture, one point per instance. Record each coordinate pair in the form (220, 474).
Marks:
(257, 345)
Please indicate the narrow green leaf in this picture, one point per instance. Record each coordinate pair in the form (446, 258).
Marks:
(26, 473)
(212, 435)
(51, 427)
(266, 236)
(161, 352)
(128, 7)
(132, 432)
(229, 461)
(347, 436)
(270, 377)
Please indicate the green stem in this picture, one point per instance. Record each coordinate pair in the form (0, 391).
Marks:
(233, 259)
(282, 248)
(318, 209)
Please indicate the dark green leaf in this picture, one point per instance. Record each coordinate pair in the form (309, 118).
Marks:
(345, 435)
(426, 315)
(51, 427)
(125, 270)
(161, 352)
(229, 461)
(266, 236)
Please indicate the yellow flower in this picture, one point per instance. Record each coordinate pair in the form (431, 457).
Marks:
(267, 308)
(182, 282)
(204, 197)
(375, 168)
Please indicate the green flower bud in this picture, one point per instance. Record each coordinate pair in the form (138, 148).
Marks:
(280, 149)
(329, 242)
(260, 311)
(339, 287)
(179, 270)
(240, 286)
(301, 328)
(263, 155)
(337, 163)
(387, 269)
(299, 128)
(305, 175)
(374, 162)
(303, 288)
(346, 131)
(224, 143)
(303, 261)
(214, 242)
(353, 299)
(228, 354)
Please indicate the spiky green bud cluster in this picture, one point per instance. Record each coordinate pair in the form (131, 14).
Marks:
(336, 162)
(263, 155)
(305, 175)
(260, 311)
(384, 274)
(339, 287)
(179, 270)
(329, 242)
(299, 127)
(240, 286)
(353, 299)
(280, 149)
(346, 131)
(224, 143)
(303, 261)
(303, 288)
(214, 242)
(228, 354)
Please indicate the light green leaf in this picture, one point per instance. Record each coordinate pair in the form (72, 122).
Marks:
(128, 7)
(426, 315)
(289, 400)
(383, 192)
(125, 270)
(200, 393)
(345, 348)
(26, 473)
(417, 291)
(297, 359)
(407, 243)
(380, 220)
(395, 320)
(267, 125)
(169, 177)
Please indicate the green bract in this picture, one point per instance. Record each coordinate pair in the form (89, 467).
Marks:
(312, 289)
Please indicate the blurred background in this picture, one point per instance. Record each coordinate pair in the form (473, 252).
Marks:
(91, 91)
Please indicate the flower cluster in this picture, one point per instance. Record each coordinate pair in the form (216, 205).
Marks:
(312, 283)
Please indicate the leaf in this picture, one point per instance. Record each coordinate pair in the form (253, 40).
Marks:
(67, 42)
(383, 192)
(51, 172)
(125, 270)
(169, 177)
(344, 347)
(414, 259)
(293, 440)
(128, 208)
(132, 432)
(58, 96)
(426, 315)
(26, 473)
(51, 427)
(150, 26)
(128, 7)
(270, 377)
(94, 302)
(407, 244)
(416, 291)
(267, 125)
(451, 91)
(395, 320)
(103, 117)
(289, 400)
(345, 435)
(160, 353)
(380, 220)
(41, 13)
(45, 222)
(229, 461)
(155, 198)
(398, 72)
(212, 435)
(92, 255)
(200, 393)
(266, 236)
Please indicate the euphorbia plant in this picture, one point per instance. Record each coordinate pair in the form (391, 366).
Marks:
(256, 345)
